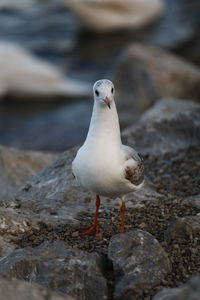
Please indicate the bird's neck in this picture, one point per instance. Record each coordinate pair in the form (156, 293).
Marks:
(104, 126)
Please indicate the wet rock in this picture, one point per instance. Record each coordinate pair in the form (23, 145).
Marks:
(186, 227)
(189, 290)
(21, 290)
(139, 263)
(17, 166)
(162, 75)
(167, 135)
(59, 267)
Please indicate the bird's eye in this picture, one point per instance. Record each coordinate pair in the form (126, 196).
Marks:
(97, 93)
(112, 90)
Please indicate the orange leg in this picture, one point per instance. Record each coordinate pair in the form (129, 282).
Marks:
(95, 227)
(123, 211)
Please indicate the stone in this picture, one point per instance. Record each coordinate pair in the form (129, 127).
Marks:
(168, 109)
(54, 192)
(21, 290)
(189, 290)
(59, 267)
(193, 200)
(106, 16)
(17, 166)
(54, 196)
(167, 135)
(13, 222)
(139, 263)
(147, 73)
(186, 227)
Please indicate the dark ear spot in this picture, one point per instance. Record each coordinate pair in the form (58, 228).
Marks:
(97, 92)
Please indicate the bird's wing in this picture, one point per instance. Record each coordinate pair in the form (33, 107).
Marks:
(134, 165)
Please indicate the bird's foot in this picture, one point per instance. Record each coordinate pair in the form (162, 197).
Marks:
(90, 229)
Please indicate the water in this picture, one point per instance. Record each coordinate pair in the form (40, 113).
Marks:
(49, 30)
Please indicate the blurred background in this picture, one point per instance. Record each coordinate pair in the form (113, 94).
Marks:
(52, 51)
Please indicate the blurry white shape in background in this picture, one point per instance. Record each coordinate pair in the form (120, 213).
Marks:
(23, 74)
(110, 15)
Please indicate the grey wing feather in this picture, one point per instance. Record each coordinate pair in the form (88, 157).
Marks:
(135, 174)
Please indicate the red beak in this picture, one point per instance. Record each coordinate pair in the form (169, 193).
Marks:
(107, 101)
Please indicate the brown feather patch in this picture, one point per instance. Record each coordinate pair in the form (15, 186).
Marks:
(135, 175)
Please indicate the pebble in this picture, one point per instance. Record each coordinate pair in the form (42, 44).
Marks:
(75, 234)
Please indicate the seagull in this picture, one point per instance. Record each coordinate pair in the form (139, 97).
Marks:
(103, 164)
(24, 75)
(112, 15)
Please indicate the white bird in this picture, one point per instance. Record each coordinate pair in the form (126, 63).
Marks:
(103, 164)
(111, 15)
(23, 74)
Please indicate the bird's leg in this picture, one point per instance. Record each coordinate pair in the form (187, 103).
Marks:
(123, 211)
(95, 226)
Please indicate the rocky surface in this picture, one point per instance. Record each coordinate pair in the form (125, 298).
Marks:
(168, 109)
(21, 290)
(59, 267)
(187, 227)
(189, 290)
(141, 263)
(38, 227)
(160, 138)
(162, 75)
(17, 166)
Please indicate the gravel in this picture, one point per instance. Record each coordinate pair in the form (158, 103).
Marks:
(175, 176)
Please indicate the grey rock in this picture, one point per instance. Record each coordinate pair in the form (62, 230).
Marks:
(21, 290)
(59, 267)
(53, 195)
(13, 222)
(193, 200)
(146, 74)
(168, 109)
(170, 135)
(17, 166)
(139, 263)
(54, 192)
(186, 227)
(188, 291)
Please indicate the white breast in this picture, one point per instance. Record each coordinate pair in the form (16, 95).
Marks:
(101, 172)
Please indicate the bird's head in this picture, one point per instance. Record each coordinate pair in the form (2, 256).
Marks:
(104, 92)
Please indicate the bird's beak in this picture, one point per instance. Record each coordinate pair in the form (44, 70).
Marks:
(107, 101)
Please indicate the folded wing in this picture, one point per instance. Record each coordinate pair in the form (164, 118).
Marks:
(134, 166)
